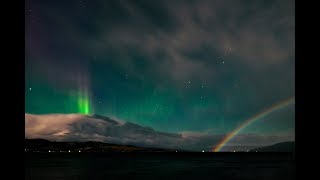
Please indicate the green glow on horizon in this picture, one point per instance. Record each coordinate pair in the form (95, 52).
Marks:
(83, 105)
(83, 102)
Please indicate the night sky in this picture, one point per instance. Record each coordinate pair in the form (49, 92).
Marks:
(176, 66)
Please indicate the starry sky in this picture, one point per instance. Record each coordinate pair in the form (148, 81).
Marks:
(173, 65)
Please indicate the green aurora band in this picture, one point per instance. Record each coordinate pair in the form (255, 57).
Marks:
(83, 101)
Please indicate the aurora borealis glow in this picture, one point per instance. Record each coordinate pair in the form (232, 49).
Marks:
(83, 104)
(83, 96)
(176, 66)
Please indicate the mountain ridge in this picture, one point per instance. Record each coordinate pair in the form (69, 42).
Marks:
(82, 128)
(43, 145)
(288, 146)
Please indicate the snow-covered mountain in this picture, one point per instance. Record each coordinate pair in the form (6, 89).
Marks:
(77, 127)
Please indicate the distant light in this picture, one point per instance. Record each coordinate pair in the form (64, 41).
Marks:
(49, 150)
(234, 151)
(202, 150)
(30, 89)
(256, 151)
(69, 151)
(79, 151)
(176, 151)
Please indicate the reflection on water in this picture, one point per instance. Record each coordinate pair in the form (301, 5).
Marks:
(158, 166)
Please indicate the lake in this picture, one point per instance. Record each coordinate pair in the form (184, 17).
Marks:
(95, 166)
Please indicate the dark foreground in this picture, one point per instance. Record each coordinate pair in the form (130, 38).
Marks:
(198, 166)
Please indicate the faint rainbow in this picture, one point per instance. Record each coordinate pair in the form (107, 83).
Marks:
(249, 121)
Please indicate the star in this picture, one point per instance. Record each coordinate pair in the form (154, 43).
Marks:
(161, 65)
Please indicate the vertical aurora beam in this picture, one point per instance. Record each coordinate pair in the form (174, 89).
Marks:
(83, 104)
(83, 97)
(251, 120)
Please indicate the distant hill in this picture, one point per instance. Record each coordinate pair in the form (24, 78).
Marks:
(42, 145)
(78, 127)
(97, 128)
(279, 147)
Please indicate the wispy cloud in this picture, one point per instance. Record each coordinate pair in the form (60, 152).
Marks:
(253, 33)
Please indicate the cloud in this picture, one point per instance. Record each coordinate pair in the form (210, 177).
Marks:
(255, 34)
(75, 127)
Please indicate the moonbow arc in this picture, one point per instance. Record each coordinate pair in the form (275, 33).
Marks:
(251, 120)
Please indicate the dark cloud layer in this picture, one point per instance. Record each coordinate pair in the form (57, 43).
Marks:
(255, 33)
